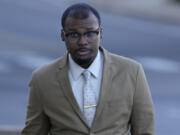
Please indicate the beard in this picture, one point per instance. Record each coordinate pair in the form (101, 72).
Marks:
(85, 63)
(84, 60)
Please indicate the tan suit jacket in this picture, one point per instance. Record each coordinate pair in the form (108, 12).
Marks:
(124, 106)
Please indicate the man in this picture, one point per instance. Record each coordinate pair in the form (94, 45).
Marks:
(115, 100)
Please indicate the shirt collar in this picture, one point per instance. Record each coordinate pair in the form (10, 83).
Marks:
(77, 70)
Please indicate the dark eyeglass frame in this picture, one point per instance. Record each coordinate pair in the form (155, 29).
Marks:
(75, 36)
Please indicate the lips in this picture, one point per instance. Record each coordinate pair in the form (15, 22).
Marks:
(83, 51)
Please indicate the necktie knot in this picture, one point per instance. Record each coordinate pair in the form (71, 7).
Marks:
(87, 75)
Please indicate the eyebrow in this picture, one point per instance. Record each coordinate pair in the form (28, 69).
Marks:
(71, 29)
(92, 28)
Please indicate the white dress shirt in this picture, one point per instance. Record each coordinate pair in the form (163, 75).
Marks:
(77, 81)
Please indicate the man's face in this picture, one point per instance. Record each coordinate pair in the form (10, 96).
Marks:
(82, 39)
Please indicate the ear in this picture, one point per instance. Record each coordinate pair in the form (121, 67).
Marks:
(101, 33)
(62, 35)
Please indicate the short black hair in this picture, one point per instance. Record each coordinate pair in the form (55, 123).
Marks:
(79, 11)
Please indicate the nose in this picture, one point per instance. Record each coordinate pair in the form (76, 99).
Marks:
(82, 40)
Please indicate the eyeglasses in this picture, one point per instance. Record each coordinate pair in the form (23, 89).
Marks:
(74, 37)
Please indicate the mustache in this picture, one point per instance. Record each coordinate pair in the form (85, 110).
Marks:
(83, 48)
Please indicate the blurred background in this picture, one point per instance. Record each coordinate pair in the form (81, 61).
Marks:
(146, 31)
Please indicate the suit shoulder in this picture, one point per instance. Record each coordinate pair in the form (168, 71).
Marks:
(123, 66)
(48, 69)
(125, 62)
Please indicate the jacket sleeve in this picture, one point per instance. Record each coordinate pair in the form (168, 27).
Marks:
(37, 122)
(142, 118)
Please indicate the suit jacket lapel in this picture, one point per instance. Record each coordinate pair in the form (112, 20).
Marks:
(66, 87)
(105, 85)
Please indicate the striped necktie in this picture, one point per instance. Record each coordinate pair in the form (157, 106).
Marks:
(89, 99)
